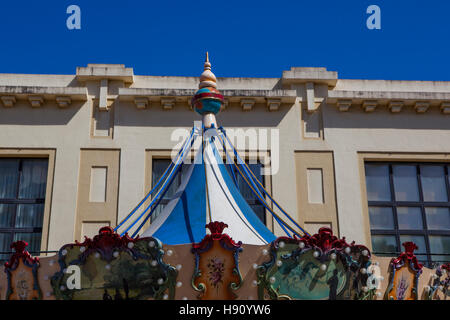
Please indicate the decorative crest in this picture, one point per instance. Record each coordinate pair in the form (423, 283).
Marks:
(106, 241)
(216, 227)
(408, 255)
(20, 253)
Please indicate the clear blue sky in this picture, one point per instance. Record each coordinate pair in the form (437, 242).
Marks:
(245, 38)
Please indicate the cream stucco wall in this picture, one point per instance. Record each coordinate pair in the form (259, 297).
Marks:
(345, 135)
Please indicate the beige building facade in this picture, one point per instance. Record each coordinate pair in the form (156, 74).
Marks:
(102, 128)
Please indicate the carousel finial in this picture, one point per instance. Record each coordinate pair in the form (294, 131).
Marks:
(207, 101)
(207, 63)
(207, 79)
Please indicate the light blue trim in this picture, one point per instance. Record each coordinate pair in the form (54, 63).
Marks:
(163, 188)
(157, 184)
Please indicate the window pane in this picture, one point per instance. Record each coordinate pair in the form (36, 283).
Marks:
(260, 212)
(409, 218)
(5, 242)
(7, 212)
(9, 177)
(438, 218)
(256, 169)
(420, 242)
(377, 182)
(381, 218)
(33, 179)
(33, 239)
(29, 215)
(386, 244)
(440, 244)
(433, 183)
(159, 166)
(405, 183)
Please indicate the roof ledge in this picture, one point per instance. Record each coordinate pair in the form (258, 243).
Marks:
(315, 75)
(105, 71)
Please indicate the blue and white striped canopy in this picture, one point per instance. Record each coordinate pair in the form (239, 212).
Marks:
(208, 193)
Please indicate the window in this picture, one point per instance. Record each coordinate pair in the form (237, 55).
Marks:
(160, 165)
(410, 202)
(22, 196)
(245, 190)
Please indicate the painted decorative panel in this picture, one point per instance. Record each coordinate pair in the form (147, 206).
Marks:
(216, 275)
(113, 267)
(439, 284)
(317, 267)
(21, 270)
(404, 273)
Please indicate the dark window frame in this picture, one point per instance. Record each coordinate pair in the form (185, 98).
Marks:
(17, 201)
(393, 203)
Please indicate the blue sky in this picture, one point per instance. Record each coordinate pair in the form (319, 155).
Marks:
(245, 38)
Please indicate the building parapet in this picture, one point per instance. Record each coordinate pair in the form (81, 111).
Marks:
(310, 75)
(105, 71)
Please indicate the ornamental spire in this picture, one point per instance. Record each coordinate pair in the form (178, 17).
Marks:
(207, 101)
(207, 79)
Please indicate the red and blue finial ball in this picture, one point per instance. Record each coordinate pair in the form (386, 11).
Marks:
(207, 100)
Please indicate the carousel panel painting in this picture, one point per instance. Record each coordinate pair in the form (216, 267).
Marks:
(404, 275)
(111, 267)
(216, 275)
(321, 267)
(438, 287)
(21, 272)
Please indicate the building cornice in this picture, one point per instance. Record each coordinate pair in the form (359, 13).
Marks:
(306, 85)
(144, 97)
(36, 96)
(394, 100)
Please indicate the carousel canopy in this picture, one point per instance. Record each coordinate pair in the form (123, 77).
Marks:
(208, 192)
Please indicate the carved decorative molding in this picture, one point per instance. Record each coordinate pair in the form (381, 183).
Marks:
(37, 96)
(8, 101)
(395, 101)
(344, 104)
(273, 104)
(168, 103)
(141, 102)
(445, 107)
(395, 106)
(247, 104)
(36, 101)
(370, 105)
(421, 106)
(63, 102)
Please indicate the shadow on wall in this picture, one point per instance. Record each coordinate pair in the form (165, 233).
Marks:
(126, 114)
(47, 115)
(382, 118)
